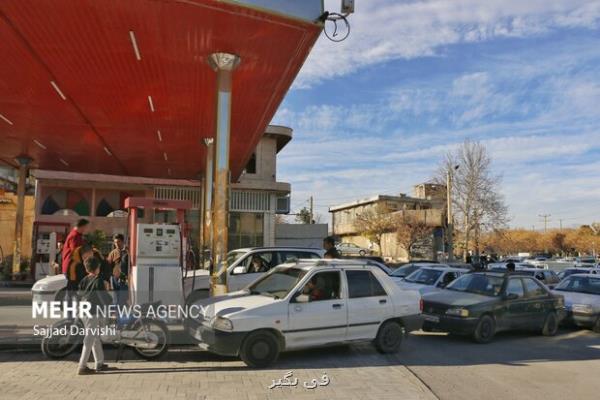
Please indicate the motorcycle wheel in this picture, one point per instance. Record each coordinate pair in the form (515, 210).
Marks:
(57, 347)
(162, 333)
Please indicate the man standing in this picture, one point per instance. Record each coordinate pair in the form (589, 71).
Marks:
(330, 250)
(74, 240)
(118, 261)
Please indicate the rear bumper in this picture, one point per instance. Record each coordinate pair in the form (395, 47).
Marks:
(412, 322)
(457, 325)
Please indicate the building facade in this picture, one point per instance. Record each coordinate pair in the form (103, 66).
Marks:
(428, 204)
(63, 197)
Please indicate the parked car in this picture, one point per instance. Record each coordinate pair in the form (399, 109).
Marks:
(429, 279)
(409, 268)
(518, 265)
(546, 276)
(582, 300)
(480, 304)
(350, 249)
(306, 304)
(572, 271)
(585, 262)
(239, 273)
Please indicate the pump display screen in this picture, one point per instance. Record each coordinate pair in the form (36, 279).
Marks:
(159, 232)
(170, 231)
(148, 230)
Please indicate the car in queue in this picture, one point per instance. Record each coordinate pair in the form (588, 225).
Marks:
(585, 262)
(404, 270)
(481, 304)
(582, 300)
(351, 249)
(429, 279)
(497, 266)
(306, 304)
(572, 271)
(546, 276)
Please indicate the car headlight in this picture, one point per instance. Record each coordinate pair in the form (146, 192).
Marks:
(39, 287)
(222, 324)
(458, 312)
(582, 308)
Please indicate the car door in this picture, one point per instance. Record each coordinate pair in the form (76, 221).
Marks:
(241, 280)
(517, 311)
(538, 302)
(368, 304)
(322, 319)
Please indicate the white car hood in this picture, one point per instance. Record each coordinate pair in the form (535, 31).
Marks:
(50, 284)
(231, 303)
(579, 298)
(421, 288)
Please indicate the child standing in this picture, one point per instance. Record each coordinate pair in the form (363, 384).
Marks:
(92, 290)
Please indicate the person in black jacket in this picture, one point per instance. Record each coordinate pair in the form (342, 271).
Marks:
(329, 247)
(93, 290)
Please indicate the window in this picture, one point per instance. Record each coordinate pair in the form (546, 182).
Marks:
(259, 262)
(363, 284)
(323, 286)
(533, 288)
(251, 166)
(245, 230)
(292, 256)
(515, 287)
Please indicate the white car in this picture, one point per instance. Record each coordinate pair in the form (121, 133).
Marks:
(518, 265)
(197, 282)
(306, 304)
(430, 279)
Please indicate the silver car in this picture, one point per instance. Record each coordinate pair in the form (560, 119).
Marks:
(429, 279)
(350, 249)
(582, 299)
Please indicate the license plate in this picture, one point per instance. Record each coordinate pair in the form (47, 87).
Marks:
(431, 318)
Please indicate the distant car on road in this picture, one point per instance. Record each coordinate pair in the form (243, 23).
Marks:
(585, 262)
(480, 304)
(582, 299)
(546, 276)
(407, 269)
(350, 249)
(572, 271)
(307, 304)
(429, 279)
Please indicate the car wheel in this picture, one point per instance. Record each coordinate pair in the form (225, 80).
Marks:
(362, 253)
(389, 338)
(259, 349)
(550, 324)
(485, 329)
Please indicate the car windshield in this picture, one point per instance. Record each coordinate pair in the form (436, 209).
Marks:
(424, 276)
(405, 270)
(233, 256)
(277, 283)
(581, 284)
(486, 285)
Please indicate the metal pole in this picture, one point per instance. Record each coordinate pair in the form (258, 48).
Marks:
(208, 199)
(312, 216)
(450, 221)
(16, 264)
(224, 64)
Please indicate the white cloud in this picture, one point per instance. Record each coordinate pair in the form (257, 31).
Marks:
(384, 30)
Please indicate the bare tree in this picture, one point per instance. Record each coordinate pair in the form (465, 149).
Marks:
(374, 222)
(477, 202)
(411, 231)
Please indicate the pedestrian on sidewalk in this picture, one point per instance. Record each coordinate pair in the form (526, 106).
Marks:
(92, 290)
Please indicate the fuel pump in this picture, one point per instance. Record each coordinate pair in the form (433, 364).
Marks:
(157, 261)
(45, 253)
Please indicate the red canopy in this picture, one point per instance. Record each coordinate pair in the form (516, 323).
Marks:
(75, 96)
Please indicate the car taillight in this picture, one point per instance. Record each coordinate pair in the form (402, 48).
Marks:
(421, 304)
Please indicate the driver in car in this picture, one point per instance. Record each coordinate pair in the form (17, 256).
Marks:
(257, 265)
(314, 289)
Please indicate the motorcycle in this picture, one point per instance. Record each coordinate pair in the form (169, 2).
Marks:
(149, 338)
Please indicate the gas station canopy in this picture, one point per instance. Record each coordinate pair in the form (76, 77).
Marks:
(124, 87)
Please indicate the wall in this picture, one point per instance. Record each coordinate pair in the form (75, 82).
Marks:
(300, 235)
(8, 211)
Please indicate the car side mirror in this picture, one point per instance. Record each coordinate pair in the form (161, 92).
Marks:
(300, 298)
(238, 270)
(511, 296)
(441, 285)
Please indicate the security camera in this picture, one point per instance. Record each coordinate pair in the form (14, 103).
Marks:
(347, 7)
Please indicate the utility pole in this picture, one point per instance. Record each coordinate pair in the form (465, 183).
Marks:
(450, 217)
(312, 220)
(560, 223)
(545, 217)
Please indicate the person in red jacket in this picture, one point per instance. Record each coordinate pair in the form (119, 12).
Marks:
(74, 240)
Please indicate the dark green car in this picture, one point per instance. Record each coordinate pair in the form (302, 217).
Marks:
(482, 304)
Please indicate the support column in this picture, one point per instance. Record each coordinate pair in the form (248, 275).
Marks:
(24, 162)
(224, 64)
(207, 202)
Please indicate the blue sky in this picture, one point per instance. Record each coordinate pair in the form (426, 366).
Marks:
(376, 113)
